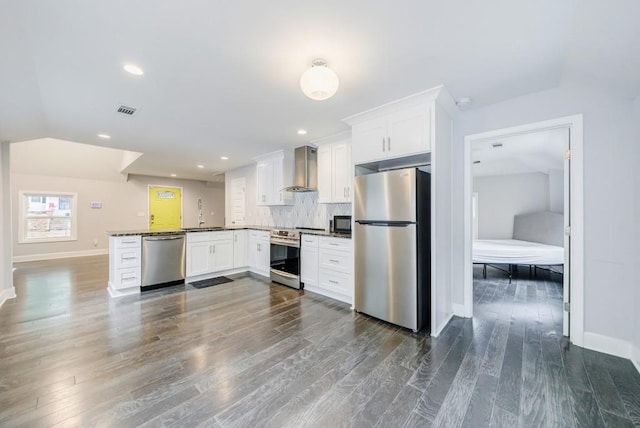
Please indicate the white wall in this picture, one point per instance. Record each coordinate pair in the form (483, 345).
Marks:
(305, 212)
(610, 274)
(636, 216)
(122, 201)
(500, 197)
(556, 191)
(6, 274)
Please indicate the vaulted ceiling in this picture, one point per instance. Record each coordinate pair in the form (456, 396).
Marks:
(222, 78)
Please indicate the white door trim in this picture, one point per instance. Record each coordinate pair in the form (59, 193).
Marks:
(575, 124)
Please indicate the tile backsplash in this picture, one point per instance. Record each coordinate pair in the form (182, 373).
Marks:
(305, 212)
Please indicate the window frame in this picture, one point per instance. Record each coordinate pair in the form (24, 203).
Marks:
(23, 198)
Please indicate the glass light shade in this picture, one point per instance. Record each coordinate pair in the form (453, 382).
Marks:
(319, 82)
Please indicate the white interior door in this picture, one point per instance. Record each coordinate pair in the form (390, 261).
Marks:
(566, 281)
(238, 201)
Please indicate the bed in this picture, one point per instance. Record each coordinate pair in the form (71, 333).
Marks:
(538, 241)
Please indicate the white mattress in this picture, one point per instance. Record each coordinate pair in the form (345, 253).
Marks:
(514, 252)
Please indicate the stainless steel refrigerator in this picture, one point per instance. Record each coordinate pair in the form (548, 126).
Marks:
(393, 247)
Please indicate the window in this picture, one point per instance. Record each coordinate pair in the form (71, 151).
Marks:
(47, 217)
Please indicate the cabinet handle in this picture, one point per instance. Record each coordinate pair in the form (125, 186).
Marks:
(383, 144)
(333, 282)
(388, 144)
(344, 192)
(334, 261)
(213, 249)
(348, 192)
(129, 242)
(259, 248)
(332, 244)
(129, 258)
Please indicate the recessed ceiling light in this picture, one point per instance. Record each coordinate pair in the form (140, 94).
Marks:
(104, 136)
(302, 131)
(173, 175)
(200, 166)
(224, 157)
(133, 69)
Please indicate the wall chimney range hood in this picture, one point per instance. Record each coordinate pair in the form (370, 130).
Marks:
(305, 170)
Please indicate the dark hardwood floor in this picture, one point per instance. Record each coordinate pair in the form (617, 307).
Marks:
(248, 353)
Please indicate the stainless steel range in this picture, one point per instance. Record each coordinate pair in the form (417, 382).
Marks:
(285, 257)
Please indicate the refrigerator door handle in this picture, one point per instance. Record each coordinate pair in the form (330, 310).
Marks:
(383, 223)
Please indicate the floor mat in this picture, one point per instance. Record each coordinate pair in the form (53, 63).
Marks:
(210, 282)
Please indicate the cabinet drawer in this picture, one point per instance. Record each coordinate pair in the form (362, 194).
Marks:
(127, 257)
(261, 235)
(309, 241)
(222, 236)
(343, 244)
(128, 241)
(199, 237)
(336, 281)
(336, 260)
(130, 277)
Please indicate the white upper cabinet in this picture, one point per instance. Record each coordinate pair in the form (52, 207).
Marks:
(274, 172)
(398, 134)
(334, 172)
(406, 127)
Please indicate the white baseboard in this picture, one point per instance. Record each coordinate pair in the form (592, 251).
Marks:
(114, 292)
(607, 344)
(458, 310)
(635, 358)
(436, 332)
(62, 255)
(6, 294)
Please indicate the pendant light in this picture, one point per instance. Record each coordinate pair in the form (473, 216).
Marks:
(319, 82)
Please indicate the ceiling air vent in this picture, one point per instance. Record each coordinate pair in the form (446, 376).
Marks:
(129, 111)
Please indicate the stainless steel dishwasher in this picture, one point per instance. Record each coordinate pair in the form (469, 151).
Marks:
(163, 260)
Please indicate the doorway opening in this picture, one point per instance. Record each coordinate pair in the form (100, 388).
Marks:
(523, 223)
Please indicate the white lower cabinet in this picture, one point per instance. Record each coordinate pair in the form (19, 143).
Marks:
(259, 252)
(309, 260)
(240, 248)
(222, 251)
(327, 266)
(209, 252)
(125, 265)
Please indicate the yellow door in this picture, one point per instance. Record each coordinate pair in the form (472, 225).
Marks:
(165, 207)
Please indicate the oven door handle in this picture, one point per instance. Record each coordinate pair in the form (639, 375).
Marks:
(285, 243)
(284, 274)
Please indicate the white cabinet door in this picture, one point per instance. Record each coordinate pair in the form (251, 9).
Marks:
(369, 141)
(325, 174)
(263, 262)
(264, 178)
(222, 255)
(240, 248)
(342, 174)
(309, 265)
(259, 252)
(409, 132)
(198, 258)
